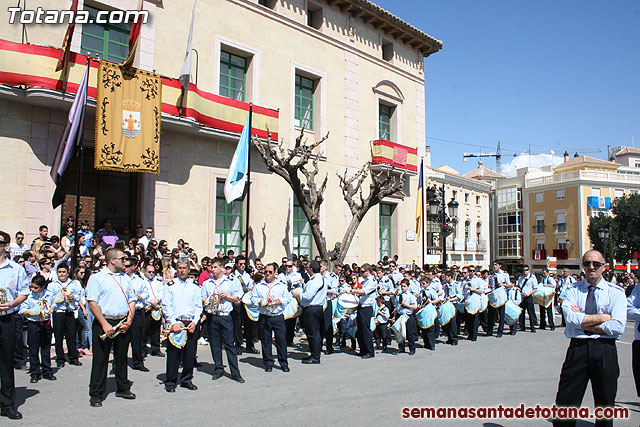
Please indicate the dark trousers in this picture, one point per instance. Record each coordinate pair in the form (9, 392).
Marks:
(513, 329)
(342, 331)
(527, 306)
(429, 337)
(39, 340)
(635, 364)
(549, 317)
(268, 326)
(64, 328)
(152, 332)
(493, 312)
(451, 329)
(380, 334)
(364, 334)
(412, 332)
(188, 356)
(594, 360)
(7, 350)
(250, 328)
(221, 334)
(291, 329)
(472, 323)
(312, 316)
(327, 325)
(18, 356)
(100, 360)
(459, 321)
(137, 338)
(236, 318)
(483, 320)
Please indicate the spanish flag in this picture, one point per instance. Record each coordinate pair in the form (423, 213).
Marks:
(134, 35)
(419, 203)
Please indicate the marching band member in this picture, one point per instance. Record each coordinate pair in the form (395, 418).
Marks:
(514, 294)
(155, 289)
(293, 280)
(312, 299)
(141, 295)
(271, 296)
(477, 286)
(563, 283)
(382, 320)
(218, 296)
(497, 279)
(112, 304)
(633, 313)
(14, 290)
(452, 295)
(408, 304)
(429, 295)
(341, 334)
(332, 282)
(367, 296)
(461, 282)
(436, 284)
(66, 294)
(550, 282)
(37, 311)
(528, 284)
(182, 308)
(244, 283)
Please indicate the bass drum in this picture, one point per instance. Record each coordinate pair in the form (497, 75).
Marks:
(252, 310)
(293, 309)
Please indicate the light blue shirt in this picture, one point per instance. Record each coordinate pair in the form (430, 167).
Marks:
(383, 315)
(32, 303)
(548, 281)
(477, 283)
(181, 299)
(13, 279)
(155, 289)
(609, 299)
(386, 284)
(369, 287)
(499, 278)
(633, 309)
(414, 286)
(397, 277)
(240, 279)
(514, 295)
(314, 291)
(56, 289)
(263, 292)
(428, 293)
(437, 285)
(212, 286)
(409, 298)
(139, 290)
(461, 287)
(527, 284)
(112, 292)
(293, 280)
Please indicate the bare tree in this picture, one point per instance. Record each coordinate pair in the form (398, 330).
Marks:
(299, 168)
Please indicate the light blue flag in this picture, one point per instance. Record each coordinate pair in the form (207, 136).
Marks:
(237, 177)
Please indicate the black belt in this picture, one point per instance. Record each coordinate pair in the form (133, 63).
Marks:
(585, 341)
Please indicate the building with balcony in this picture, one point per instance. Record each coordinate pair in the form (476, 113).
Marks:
(468, 243)
(346, 67)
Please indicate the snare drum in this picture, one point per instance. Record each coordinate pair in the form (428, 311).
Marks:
(252, 310)
(293, 309)
(427, 316)
(543, 296)
(497, 297)
(511, 312)
(446, 312)
(472, 303)
(349, 303)
(484, 302)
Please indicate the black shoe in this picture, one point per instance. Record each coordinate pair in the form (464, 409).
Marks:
(285, 369)
(22, 368)
(49, 377)
(157, 353)
(499, 336)
(75, 362)
(252, 350)
(141, 368)
(533, 331)
(366, 356)
(125, 394)
(412, 352)
(238, 379)
(268, 368)
(553, 328)
(189, 386)
(238, 351)
(197, 364)
(60, 364)
(310, 361)
(34, 379)
(217, 375)
(170, 388)
(95, 403)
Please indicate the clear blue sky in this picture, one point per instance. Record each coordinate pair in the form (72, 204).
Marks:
(553, 74)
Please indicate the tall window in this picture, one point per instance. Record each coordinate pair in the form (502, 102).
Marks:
(233, 75)
(386, 210)
(384, 121)
(228, 222)
(110, 41)
(302, 237)
(303, 115)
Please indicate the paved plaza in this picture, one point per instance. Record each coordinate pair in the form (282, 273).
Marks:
(343, 390)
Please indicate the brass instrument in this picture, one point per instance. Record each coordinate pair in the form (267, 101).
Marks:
(68, 298)
(104, 336)
(3, 296)
(44, 309)
(212, 303)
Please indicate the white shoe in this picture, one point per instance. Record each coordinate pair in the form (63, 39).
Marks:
(202, 341)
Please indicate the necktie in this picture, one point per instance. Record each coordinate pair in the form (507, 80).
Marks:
(590, 306)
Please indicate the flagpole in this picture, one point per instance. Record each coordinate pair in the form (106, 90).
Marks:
(423, 211)
(80, 153)
(246, 227)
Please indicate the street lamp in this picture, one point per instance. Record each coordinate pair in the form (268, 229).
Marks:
(603, 233)
(453, 208)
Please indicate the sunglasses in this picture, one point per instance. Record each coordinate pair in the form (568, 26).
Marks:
(595, 264)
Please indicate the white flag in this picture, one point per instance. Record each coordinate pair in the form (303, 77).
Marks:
(237, 177)
(185, 73)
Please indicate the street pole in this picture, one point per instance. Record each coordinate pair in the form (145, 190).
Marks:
(444, 238)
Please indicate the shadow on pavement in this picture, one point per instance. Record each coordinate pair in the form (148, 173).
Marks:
(24, 393)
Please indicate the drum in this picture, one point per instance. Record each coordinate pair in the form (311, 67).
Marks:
(497, 297)
(156, 314)
(427, 316)
(293, 309)
(178, 339)
(348, 302)
(543, 296)
(446, 312)
(399, 328)
(252, 310)
(472, 303)
(484, 302)
(511, 312)
(459, 307)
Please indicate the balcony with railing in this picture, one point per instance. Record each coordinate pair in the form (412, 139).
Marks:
(388, 154)
(561, 253)
(468, 245)
(538, 229)
(561, 227)
(584, 175)
(539, 254)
